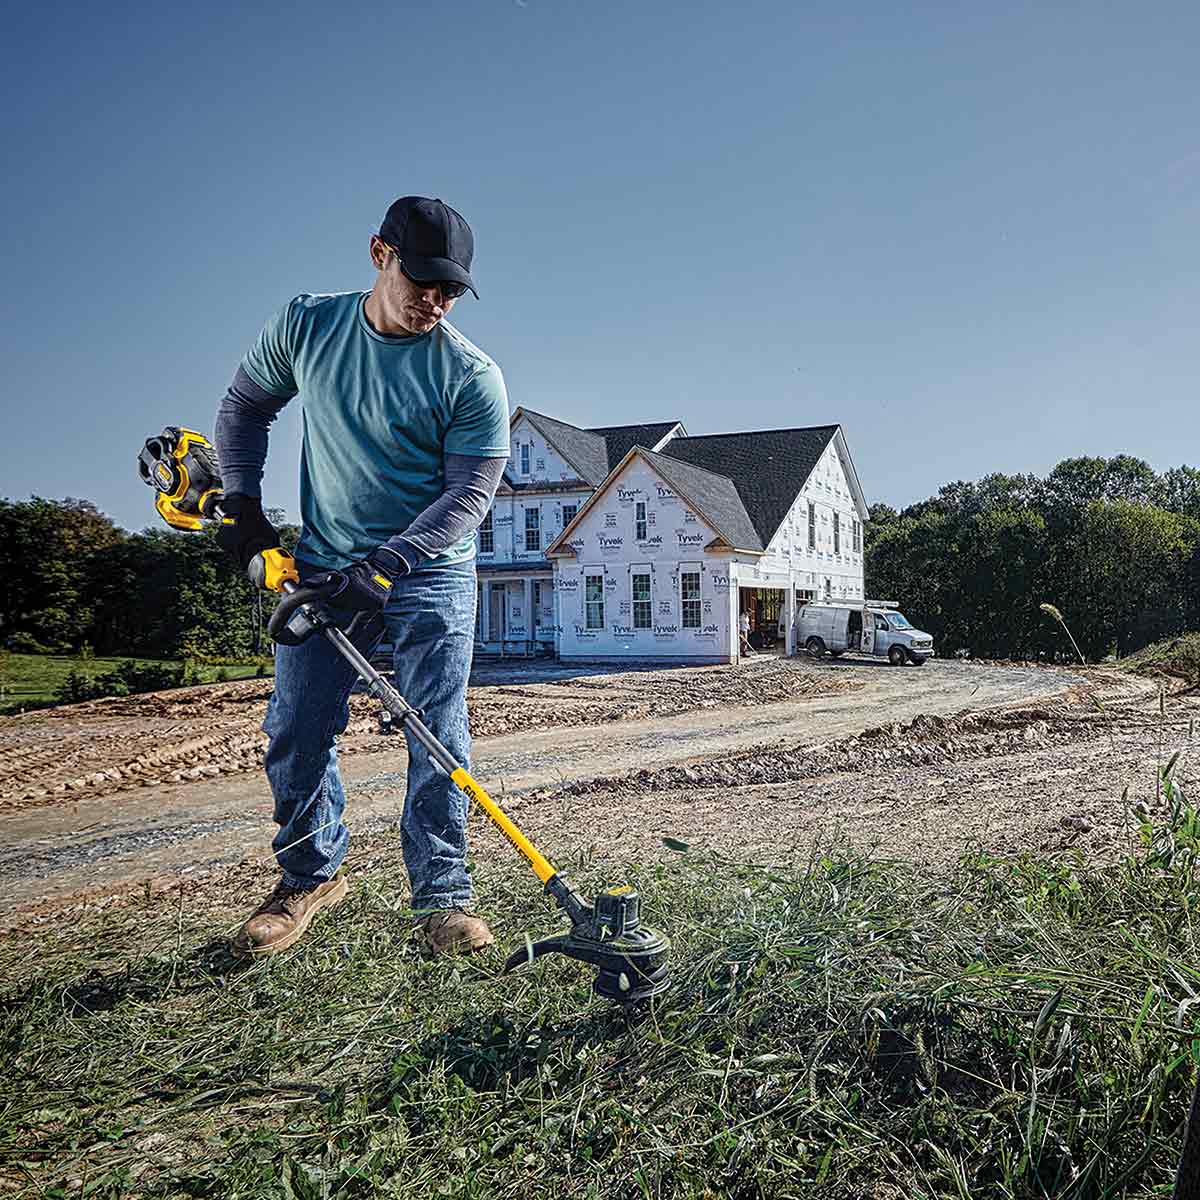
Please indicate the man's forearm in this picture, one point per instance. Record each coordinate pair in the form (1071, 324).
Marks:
(244, 417)
(468, 492)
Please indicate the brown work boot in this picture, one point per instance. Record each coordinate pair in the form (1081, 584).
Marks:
(283, 916)
(453, 931)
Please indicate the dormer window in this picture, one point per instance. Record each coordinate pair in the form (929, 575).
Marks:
(525, 458)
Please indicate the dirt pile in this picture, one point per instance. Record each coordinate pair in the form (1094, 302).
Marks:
(1175, 658)
(190, 734)
(635, 695)
(926, 740)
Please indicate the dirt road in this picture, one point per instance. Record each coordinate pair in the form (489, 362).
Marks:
(108, 842)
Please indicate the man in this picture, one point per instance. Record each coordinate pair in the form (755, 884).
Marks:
(405, 439)
(744, 633)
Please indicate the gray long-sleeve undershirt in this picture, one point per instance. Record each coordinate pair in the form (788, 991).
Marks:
(244, 419)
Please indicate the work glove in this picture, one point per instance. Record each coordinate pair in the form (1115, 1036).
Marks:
(363, 586)
(244, 531)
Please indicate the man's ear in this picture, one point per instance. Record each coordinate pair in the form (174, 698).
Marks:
(379, 252)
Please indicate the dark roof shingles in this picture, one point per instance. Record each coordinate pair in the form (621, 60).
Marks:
(745, 482)
(620, 439)
(584, 450)
(769, 468)
(716, 496)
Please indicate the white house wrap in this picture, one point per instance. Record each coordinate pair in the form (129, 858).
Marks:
(666, 539)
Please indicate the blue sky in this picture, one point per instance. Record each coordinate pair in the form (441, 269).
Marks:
(967, 232)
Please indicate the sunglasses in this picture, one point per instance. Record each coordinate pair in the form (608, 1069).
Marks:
(451, 289)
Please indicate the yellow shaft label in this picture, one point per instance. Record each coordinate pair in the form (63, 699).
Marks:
(541, 868)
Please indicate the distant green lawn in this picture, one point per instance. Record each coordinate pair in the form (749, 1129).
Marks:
(33, 679)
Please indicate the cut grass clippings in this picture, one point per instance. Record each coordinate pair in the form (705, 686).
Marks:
(847, 1028)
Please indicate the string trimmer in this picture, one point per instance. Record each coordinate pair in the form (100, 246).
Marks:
(630, 958)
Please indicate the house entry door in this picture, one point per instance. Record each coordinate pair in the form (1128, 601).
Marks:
(497, 611)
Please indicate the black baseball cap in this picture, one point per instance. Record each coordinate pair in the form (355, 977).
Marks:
(433, 240)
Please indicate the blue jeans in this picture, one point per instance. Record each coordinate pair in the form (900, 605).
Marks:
(430, 617)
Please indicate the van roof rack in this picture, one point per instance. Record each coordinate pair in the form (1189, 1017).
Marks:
(882, 603)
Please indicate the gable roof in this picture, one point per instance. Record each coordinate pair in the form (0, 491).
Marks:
(594, 452)
(769, 468)
(743, 484)
(586, 452)
(714, 496)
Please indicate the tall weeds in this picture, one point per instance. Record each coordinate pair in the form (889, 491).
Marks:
(1017, 1028)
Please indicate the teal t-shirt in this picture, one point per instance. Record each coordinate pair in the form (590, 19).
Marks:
(379, 414)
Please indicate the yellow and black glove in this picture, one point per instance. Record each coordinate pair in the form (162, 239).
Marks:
(363, 586)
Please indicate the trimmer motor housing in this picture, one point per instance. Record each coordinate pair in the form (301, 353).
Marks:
(181, 465)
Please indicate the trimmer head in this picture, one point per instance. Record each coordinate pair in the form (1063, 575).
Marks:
(631, 957)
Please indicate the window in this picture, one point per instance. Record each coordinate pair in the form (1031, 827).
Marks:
(525, 459)
(639, 521)
(689, 591)
(641, 602)
(857, 532)
(487, 534)
(837, 533)
(533, 529)
(569, 511)
(812, 525)
(593, 601)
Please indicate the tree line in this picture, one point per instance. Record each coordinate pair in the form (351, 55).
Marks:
(69, 578)
(1111, 543)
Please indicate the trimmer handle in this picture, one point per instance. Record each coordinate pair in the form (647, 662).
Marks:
(273, 570)
(296, 617)
(300, 613)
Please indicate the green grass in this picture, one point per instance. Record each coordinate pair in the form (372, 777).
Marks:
(843, 1028)
(1178, 656)
(31, 680)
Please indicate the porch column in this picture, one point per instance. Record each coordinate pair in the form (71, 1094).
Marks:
(735, 637)
(789, 616)
(556, 607)
(529, 610)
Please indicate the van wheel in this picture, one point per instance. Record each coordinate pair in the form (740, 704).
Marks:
(917, 660)
(896, 656)
(815, 646)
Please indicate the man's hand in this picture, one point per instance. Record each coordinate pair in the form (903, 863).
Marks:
(244, 531)
(363, 586)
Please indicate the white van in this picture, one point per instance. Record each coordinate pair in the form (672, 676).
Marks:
(875, 627)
